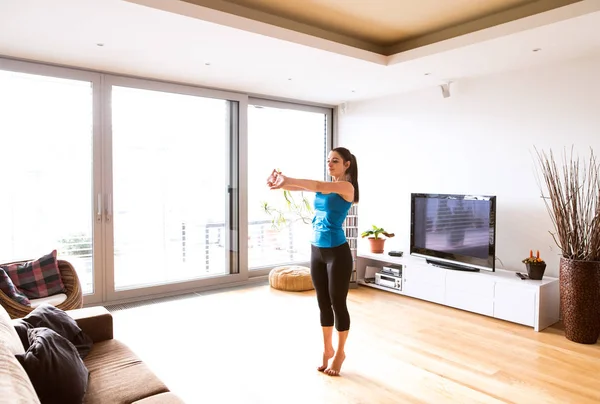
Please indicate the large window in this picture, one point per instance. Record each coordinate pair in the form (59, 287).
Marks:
(46, 135)
(293, 139)
(170, 180)
(146, 187)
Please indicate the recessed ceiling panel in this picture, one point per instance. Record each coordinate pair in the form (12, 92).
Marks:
(381, 22)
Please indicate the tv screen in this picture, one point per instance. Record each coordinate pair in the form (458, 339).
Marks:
(454, 229)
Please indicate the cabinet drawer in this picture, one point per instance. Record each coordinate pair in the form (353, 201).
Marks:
(470, 302)
(470, 283)
(425, 274)
(515, 303)
(424, 291)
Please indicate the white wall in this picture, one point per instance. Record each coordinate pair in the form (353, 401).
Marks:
(480, 140)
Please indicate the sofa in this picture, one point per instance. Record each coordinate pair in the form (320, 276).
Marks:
(116, 374)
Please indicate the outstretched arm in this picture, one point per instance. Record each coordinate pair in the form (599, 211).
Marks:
(343, 188)
(273, 177)
(294, 188)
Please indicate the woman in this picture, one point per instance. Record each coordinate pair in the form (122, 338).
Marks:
(331, 259)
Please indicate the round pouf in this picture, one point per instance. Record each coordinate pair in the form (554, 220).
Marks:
(292, 278)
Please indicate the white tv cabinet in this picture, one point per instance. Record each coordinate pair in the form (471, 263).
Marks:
(500, 294)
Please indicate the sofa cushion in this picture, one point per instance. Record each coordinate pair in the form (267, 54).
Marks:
(60, 322)
(163, 398)
(96, 322)
(54, 367)
(10, 290)
(15, 386)
(118, 376)
(53, 300)
(38, 278)
(22, 329)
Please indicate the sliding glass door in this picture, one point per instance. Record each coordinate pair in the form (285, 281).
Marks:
(170, 177)
(294, 139)
(135, 182)
(149, 188)
(47, 132)
(172, 180)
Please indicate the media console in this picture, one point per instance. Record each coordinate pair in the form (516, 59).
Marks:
(500, 294)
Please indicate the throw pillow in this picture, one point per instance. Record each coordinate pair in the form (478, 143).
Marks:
(22, 327)
(10, 290)
(54, 367)
(46, 315)
(38, 278)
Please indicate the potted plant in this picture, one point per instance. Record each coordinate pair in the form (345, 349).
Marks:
(535, 266)
(292, 210)
(375, 240)
(573, 202)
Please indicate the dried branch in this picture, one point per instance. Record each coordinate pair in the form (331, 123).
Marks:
(573, 202)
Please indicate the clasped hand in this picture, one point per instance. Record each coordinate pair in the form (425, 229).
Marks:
(276, 180)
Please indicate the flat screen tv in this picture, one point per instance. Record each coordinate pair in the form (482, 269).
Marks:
(454, 231)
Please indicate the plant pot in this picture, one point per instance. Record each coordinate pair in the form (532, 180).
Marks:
(580, 299)
(535, 271)
(376, 245)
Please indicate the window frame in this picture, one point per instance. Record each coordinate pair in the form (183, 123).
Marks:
(102, 172)
(95, 78)
(239, 125)
(308, 107)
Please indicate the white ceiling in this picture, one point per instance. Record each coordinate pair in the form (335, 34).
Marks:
(148, 42)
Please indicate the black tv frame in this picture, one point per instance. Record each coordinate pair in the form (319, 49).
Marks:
(456, 261)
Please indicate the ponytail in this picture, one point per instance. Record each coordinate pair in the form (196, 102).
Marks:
(352, 171)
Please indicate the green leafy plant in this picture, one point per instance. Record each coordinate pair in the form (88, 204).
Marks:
(293, 210)
(375, 232)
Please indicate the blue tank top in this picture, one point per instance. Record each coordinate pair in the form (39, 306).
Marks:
(330, 212)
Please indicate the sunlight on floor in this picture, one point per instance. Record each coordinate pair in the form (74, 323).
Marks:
(260, 345)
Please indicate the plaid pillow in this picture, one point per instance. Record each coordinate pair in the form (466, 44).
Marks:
(9, 288)
(39, 278)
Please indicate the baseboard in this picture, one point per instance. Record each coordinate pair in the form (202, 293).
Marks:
(181, 295)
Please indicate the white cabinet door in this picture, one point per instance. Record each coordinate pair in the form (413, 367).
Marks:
(515, 303)
(470, 291)
(424, 282)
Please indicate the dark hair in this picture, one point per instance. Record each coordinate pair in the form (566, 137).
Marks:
(352, 170)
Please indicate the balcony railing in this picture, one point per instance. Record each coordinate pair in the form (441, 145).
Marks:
(203, 247)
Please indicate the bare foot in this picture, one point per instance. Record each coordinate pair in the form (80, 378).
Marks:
(336, 365)
(327, 354)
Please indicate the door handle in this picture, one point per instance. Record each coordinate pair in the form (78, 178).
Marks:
(99, 208)
(108, 211)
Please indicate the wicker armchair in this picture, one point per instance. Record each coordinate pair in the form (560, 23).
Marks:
(72, 285)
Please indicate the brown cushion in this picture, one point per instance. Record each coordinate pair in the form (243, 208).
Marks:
(118, 376)
(46, 315)
(164, 398)
(292, 278)
(54, 367)
(97, 322)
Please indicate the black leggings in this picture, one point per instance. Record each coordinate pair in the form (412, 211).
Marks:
(330, 270)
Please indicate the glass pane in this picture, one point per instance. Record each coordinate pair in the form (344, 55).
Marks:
(294, 142)
(170, 177)
(46, 170)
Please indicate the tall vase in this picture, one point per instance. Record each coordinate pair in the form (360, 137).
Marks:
(580, 299)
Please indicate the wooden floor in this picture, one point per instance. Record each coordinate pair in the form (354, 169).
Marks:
(260, 345)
